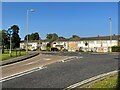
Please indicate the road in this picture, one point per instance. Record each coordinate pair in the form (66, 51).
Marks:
(64, 74)
(30, 64)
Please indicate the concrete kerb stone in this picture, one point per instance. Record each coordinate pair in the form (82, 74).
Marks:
(89, 81)
(17, 59)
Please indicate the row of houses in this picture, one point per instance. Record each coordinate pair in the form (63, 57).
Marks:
(95, 44)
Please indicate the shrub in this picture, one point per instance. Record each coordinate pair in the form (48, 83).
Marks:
(115, 48)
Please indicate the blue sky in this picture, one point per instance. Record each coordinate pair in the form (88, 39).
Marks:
(85, 19)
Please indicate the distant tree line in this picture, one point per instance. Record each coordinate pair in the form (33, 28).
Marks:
(54, 36)
(33, 36)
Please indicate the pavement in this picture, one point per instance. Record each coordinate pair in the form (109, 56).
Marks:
(65, 72)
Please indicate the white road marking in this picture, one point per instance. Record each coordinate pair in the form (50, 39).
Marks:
(45, 59)
(70, 59)
(22, 73)
(89, 80)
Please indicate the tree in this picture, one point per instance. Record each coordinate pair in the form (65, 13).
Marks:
(61, 37)
(4, 39)
(33, 36)
(75, 36)
(25, 38)
(53, 36)
(15, 36)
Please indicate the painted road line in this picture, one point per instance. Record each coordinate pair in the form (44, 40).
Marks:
(89, 80)
(62, 60)
(46, 59)
(22, 73)
(70, 59)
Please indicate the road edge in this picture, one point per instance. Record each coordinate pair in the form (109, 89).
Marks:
(86, 82)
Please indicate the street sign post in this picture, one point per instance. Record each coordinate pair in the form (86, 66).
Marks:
(10, 32)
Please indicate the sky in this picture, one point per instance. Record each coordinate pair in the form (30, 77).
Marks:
(85, 19)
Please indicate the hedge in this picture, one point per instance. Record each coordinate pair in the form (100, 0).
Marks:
(115, 48)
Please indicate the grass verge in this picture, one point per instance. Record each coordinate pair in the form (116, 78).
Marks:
(6, 56)
(111, 82)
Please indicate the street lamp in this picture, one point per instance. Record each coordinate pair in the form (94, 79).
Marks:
(31, 10)
(110, 19)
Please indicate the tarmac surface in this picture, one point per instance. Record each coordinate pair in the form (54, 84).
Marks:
(65, 73)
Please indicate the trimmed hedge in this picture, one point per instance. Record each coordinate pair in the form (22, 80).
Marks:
(115, 48)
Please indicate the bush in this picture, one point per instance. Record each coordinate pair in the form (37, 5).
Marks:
(54, 49)
(65, 50)
(115, 48)
(81, 51)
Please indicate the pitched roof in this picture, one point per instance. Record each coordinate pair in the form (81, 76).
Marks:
(114, 37)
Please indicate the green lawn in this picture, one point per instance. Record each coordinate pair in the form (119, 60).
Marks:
(7, 56)
(110, 82)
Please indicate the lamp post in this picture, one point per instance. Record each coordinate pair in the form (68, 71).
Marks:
(31, 10)
(110, 19)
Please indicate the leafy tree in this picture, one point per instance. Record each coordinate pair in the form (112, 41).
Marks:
(15, 36)
(25, 38)
(49, 36)
(4, 39)
(33, 36)
(61, 37)
(75, 36)
(53, 36)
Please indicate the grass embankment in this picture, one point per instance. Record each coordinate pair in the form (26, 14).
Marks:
(111, 82)
(5, 56)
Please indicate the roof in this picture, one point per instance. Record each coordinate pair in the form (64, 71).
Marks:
(114, 37)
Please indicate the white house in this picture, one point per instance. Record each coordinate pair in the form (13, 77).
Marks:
(32, 45)
(95, 44)
(98, 44)
(60, 44)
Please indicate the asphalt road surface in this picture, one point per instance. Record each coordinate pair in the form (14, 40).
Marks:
(64, 74)
(29, 64)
